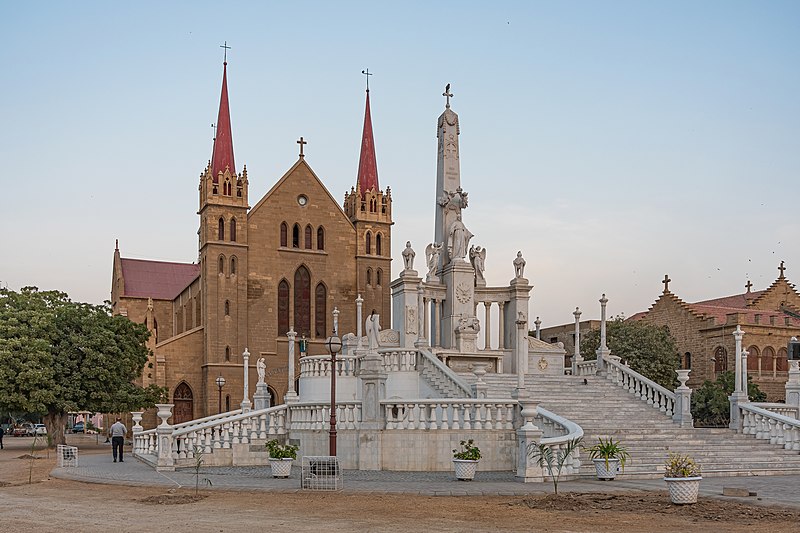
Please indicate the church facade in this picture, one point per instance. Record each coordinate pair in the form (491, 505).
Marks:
(283, 264)
(704, 330)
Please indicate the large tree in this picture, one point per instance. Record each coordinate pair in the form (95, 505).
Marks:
(58, 356)
(649, 350)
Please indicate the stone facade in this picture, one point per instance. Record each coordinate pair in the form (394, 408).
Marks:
(285, 263)
(704, 330)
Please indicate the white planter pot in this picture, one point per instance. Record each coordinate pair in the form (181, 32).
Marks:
(683, 490)
(465, 469)
(281, 467)
(603, 473)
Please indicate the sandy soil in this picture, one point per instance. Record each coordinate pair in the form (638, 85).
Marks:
(55, 505)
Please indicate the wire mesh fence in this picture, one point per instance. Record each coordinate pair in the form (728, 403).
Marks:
(67, 456)
(321, 473)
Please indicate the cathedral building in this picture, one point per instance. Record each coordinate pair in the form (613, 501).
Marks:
(284, 263)
(703, 332)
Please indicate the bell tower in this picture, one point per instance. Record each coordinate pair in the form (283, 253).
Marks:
(370, 210)
(223, 245)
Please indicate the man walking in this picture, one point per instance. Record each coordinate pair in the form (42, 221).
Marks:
(118, 431)
(2, 432)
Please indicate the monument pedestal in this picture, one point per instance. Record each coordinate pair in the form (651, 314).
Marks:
(261, 399)
(405, 307)
(373, 390)
(459, 278)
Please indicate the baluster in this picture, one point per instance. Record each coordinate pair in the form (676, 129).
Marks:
(423, 415)
(773, 434)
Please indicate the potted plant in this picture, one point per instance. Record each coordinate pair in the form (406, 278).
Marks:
(608, 456)
(281, 457)
(465, 461)
(682, 475)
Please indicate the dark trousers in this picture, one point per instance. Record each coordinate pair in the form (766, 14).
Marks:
(116, 444)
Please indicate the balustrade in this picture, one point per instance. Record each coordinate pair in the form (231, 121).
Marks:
(316, 416)
(449, 414)
(637, 384)
(767, 425)
(399, 360)
(320, 366)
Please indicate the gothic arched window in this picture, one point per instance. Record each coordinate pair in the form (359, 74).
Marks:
(227, 308)
(320, 311)
(379, 277)
(320, 238)
(369, 243)
(753, 354)
(302, 301)
(233, 265)
(307, 238)
(284, 234)
(233, 230)
(222, 264)
(221, 230)
(227, 353)
(720, 359)
(782, 360)
(378, 244)
(283, 308)
(369, 277)
(296, 236)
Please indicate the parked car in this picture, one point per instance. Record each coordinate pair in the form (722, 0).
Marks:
(40, 429)
(78, 428)
(24, 430)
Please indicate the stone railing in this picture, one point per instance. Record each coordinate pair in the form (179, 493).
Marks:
(647, 390)
(433, 370)
(557, 432)
(779, 408)
(199, 421)
(399, 360)
(449, 414)
(766, 425)
(212, 433)
(585, 368)
(316, 366)
(317, 415)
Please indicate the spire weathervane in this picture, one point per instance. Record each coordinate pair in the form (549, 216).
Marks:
(226, 47)
(447, 94)
(367, 74)
(301, 142)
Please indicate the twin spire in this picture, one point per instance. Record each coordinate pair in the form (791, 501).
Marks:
(222, 156)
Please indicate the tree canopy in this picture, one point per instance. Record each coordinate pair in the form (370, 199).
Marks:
(710, 403)
(58, 356)
(649, 350)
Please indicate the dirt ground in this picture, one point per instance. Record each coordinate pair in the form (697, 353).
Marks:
(47, 504)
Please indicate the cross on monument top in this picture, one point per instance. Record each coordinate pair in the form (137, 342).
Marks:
(666, 282)
(781, 268)
(448, 95)
(748, 285)
(301, 142)
(226, 47)
(367, 74)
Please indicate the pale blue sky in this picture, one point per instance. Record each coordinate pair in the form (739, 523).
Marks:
(610, 142)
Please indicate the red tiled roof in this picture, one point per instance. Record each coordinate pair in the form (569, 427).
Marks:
(739, 301)
(160, 280)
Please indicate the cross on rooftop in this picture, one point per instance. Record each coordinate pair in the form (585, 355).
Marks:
(226, 47)
(447, 94)
(666, 282)
(748, 285)
(781, 268)
(301, 142)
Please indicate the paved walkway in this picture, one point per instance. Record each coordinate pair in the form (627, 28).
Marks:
(99, 468)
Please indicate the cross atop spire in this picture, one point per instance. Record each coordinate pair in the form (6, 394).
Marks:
(301, 142)
(448, 95)
(226, 47)
(666, 283)
(366, 74)
(781, 268)
(748, 285)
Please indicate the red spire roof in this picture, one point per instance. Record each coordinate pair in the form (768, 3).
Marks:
(367, 165)
(223, 141)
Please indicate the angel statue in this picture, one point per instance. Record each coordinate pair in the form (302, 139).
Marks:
(432, 253)
(477, 256)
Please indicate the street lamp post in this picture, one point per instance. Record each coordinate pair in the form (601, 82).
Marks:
(334, 344)
(220, 384)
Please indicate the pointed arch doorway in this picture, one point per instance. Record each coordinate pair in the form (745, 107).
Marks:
(184, 404)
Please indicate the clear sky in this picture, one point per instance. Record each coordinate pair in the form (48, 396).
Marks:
(611, 142)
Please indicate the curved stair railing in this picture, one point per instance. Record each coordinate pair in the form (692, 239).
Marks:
(646, 389)
(441, 377)
(557, 432)
(767, 425)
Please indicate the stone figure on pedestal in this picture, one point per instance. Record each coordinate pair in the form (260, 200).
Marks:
(261, 367)
(408, 256)
(458, 239)
(373, 328)
(432, 253)
(477, 256)
(454, 201)
(519, 266)
(469, 323)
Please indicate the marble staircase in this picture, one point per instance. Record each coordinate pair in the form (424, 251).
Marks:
(603, 409)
